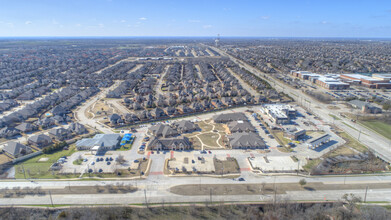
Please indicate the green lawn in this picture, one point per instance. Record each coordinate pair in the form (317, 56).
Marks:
(35, 169)
(125, 147)
(209, 139)
(380, 127)
(335, 117)
(77, 161)
(353, 143)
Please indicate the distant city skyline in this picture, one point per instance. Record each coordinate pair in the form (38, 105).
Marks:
(246, 18)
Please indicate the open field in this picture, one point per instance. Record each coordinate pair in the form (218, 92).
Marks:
(40, 170)
(353, 143)
(226, 166)
(380, 127)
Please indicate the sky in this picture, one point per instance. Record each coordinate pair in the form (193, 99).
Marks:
(242, 18)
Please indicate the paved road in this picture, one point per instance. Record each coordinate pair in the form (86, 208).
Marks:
(376, 142)
(81, 117)
(157, 189)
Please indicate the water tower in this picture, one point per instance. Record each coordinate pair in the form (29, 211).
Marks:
(217, 40)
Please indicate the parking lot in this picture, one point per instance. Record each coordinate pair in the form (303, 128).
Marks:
(275, 163)
(191, 162)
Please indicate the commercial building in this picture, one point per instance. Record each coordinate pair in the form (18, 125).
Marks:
(246, 141)
(332, 83)
(240, 126)
(179, 143)
(327, 81)
(365, 107)
(318, 141)
(99, 142)
(294, 133)
(279, 113)
(224, 118)
(379, 81)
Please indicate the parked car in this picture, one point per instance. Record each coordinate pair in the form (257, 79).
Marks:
(241, 179)
(108, 163)
(93, 163)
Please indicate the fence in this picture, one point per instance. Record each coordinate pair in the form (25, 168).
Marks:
(25, 157)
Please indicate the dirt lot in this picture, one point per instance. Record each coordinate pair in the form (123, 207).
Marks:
(226, 166)
(101, 109)
(260, 189)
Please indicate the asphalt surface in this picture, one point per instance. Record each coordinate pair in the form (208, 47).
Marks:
(377, 143)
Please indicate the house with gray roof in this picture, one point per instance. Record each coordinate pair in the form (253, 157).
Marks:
(77, 128)
(40, 140)
(102, 141)
(26, 127)
(16, 149)
(60, 134)
(246, 141)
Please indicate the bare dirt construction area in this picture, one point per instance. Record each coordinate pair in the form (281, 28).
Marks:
(100, 108)
(18, 192)
(264, 188)
(226, 166)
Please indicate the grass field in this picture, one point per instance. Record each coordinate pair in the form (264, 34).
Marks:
(335, 117)
(380, 127)
(125, 147)
(40, 170)
(353, 143)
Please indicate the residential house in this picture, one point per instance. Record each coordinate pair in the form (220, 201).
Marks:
(16, 149)
(40, 140)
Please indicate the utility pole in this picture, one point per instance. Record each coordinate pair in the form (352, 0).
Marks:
(275, 196)
(51, 199)
(344, 179)
(365, 197)
(145, 196)
(24, 173)
(210, 195)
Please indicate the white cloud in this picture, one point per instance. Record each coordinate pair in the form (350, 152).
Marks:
(123, 21)
(101, 25)
(54, 22)
(78, 25)
(10, 24)
(324, 22)
(265, 17)
(28, 22)
(143, 19)
(207, 26)
(194, 21)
